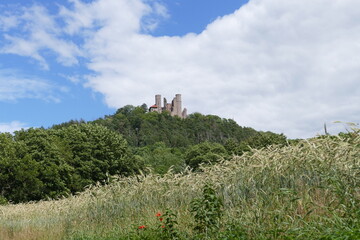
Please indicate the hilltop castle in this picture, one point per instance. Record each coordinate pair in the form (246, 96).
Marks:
(174, 107)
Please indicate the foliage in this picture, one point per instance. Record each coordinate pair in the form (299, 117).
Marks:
(169, 227)
(204, 153)
(19, 173)
(305, 191)
(161, 158)
(51, 156)
(97, 153)
(257, 141)
(142, 128)
(207, 210)
(39, 164)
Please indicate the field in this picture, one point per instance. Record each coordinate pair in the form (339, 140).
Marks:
(310, 190)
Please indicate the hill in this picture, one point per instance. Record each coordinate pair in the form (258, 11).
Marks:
(40, 163)
(142, 128)
(309, 190)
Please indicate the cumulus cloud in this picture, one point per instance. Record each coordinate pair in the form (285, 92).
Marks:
(279, 65)
(285, 66)
(12, 126)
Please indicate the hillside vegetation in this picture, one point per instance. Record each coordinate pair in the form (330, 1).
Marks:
(141, 128)
(40, 163)
(308, 190)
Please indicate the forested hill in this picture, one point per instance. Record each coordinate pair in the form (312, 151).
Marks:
(40, 163)
(142, 128)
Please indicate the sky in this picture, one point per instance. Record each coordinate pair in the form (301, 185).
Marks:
(285, 66)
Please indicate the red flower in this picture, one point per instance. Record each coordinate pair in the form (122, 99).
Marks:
(158, 214)
(141, 227)
(160, 219)
(163, 226)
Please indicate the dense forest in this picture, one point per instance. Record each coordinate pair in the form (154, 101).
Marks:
(49, 163)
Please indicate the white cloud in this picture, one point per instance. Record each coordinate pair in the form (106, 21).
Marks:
(7, 22)
(39, 31)
(12, 126)
(279, 65)
(285, 66)
(14, 86)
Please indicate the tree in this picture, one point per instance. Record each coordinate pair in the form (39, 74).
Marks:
(53, 156)
(261, 140)
(97, 153)
(204, 153)
(161, 158)
(19, 173)
(38, 163)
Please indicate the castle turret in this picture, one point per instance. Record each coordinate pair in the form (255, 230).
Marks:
(158, 102)
(178, 105)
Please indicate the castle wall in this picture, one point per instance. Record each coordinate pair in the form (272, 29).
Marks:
(184, 113)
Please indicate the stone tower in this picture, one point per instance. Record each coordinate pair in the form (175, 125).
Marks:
(178, 104)
(158, 103)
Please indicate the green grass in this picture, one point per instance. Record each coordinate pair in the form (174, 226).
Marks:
(307, 191)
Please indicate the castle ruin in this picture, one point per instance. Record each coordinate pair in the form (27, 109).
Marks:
(174, 107)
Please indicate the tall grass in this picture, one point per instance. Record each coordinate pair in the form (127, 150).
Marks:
(307, 191)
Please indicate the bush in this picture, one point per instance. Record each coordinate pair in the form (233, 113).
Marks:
(40, 164)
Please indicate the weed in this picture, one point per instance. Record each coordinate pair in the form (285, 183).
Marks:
(169, 225)
(207, 210)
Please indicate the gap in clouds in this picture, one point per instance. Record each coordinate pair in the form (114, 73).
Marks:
(198, 15)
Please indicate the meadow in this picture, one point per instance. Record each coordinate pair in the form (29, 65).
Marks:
(308, 190)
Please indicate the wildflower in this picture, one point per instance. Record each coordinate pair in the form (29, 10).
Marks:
(160, 219)
(162, 226)
(141, 227)
(158, 214)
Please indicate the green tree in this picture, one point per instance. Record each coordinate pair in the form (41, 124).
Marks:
(161, 158)
(39, 163)
(53, 155)
(204, 153)
(97, 152)
(19, 173)
(261, 140)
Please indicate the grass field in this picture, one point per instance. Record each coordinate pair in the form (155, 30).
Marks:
(307, 191)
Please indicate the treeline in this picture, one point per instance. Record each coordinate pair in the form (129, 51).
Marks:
(160, 157)
(161, 141)
(50, 163)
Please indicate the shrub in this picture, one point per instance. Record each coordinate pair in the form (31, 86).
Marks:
(207, 210)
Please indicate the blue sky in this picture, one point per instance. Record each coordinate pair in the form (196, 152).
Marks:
(278, 65)
(76, 101)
